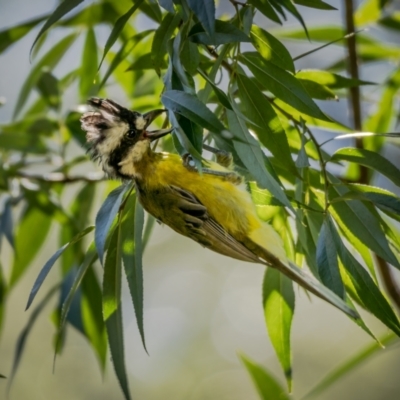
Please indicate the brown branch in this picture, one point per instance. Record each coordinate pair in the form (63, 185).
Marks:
(354, 92)
(226, 65)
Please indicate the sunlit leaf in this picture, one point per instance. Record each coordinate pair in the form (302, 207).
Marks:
(267, 386)
(279, 300)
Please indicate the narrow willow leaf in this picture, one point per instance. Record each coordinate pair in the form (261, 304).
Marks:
(267, 386)
(29, 239)
(49, 60)
(252, 157)
(327, 262)
(23, 336)
(365, 288)
(318, 4)
(148, 229)
(92, 316)
(190, 57)
(356, 217)
(112, 309)
(225, 32)
(267, 126)
(282, 84)
(292, 9)
(192, 108)
(63, 8)
(205, 12)
(279, 300)
(392, 21)
(271, 48)
(316, 90)
(351, 364)
(11, 35)
(161, 38)
(89, 63)
(152, 10)
(265, 7)
(6, 222)
(369, 159)
(221, 96)
(329, 79)
(105, 217)
(48, 87)
(132, 248)
(47, 267)
(369, 11)
(117, 29)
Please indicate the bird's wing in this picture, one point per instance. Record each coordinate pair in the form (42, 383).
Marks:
(183, 212)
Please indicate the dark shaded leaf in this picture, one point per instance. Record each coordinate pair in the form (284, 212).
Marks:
(6, 222)
(117, 29)
(282, 84)
(47, 267)
(205, 12)
(265, 7)
(271, 48)
(105, 217)
(220, 94)
(319, 4)
(250, 153)
(192, 108)
(167, 5)
(291, 8)
(161, 38)
(132, 248)
(49, 89)
(152, 10)
(267, 386)
(190, 57)
(369, 159)
(279, 300)
(225, 32)
(316, 90)
(112, 309)
(327, 260)
(11, 35)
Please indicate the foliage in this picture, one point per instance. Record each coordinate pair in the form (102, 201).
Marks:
(264, 111)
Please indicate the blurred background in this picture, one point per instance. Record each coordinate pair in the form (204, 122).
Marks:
(201, 309)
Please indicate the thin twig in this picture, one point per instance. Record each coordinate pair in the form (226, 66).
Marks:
(226, 65)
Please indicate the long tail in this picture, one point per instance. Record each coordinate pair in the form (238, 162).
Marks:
(300, 276)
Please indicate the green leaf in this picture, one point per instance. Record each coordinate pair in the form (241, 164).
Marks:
(271, 49)
(279, 300)
(105, 217)
(282, 84)
(47, 267)
(357, 218)
(391, 21)
(267, 124)
(265, 7)
(63, 8)
(316, 90)
(190, 57)
(250, 153)
(291, 8)
(118, 27)
(369, 11)
(369, 159)
(220, 94)
(6, 222)
(267, 386)
(152, 10)
(48, 87)
(205, 12)
(327, 262)
(27, 244)
(49, 60)
(112, 309)
(167, 5)
(225, 32)
(9, 36)
(365, 288)
(88, 71)
(318, 4)
(161, 38)
(329, 79)
(132, 249)
(350, 364)
(192, 108)
(23, 336)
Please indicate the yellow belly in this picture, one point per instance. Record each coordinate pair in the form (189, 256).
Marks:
(228, 204)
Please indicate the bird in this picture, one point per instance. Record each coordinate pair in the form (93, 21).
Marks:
(212, 206)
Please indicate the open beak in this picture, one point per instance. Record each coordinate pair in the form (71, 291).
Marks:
(150, 117)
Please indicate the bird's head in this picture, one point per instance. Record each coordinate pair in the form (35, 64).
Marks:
(117, 136)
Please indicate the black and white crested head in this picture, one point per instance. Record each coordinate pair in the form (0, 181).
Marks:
(117, 136)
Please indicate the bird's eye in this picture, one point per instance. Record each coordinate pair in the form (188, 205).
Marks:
(131, 133)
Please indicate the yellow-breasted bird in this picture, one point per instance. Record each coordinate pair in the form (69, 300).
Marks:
(213, 207)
